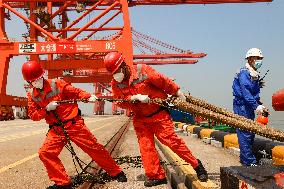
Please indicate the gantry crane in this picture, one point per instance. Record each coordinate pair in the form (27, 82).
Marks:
(74, 37)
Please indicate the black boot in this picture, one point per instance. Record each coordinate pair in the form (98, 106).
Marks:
(155, 182)
(120, 177)
(201, 172)
(55, 186)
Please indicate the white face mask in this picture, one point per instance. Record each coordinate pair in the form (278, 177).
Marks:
(38, 83)
(257, 64)
(118, 77)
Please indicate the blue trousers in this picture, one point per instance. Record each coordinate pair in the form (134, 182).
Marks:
(245, 138)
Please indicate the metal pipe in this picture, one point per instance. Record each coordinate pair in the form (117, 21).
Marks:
(60, 10)
(30, 22)
(102, 25)
(92, 21)
(82, 16)
(89, 29)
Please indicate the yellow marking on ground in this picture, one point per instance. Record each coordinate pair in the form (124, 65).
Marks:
(3, 169)
(32, 133)
(24, 126)
(100, 127)
(19, 123)
(22, 135)
(34, 124)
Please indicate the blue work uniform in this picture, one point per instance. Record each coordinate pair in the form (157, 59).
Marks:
(246, 91)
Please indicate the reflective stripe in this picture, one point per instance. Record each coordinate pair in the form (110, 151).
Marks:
(121, 85)
(119, 60)
(139, 69)
(54, 91)
(139, 80)
(141, 77)
(36, 99)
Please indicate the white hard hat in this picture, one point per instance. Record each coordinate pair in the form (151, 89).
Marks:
(254, 52)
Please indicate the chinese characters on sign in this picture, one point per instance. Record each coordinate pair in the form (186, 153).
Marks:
(85, 72)
(48, 48)
(65, 47)
(84, 47)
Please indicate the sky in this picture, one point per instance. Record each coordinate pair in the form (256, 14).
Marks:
(225, 32)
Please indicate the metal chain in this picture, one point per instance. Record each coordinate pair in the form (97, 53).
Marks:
(86, 101)
(103, 177)
(69, 146)
(161, 102)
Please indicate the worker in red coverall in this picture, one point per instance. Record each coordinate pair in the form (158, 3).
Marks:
(142, 83)
(42, 104)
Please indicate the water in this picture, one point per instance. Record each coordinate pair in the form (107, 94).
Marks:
(276, 120)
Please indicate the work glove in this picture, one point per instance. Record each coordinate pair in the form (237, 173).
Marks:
(51, 106)
(181, 96)
(141, 98)
(93, 98)
(260, 109)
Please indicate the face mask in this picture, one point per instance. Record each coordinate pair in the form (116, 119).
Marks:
(118, 77)
(257, 64)
(38, 83)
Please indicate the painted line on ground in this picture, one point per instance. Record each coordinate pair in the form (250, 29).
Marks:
(22, 135)
(32, 133)
(23, 124)
(5, 168)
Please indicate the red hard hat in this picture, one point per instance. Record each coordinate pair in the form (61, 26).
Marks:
(32, 71)
(112, 61)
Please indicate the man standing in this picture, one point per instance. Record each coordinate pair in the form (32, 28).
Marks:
(42, 104)
(142, 83)
(246, 89)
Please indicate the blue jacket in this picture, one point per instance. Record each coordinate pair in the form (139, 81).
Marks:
(246, 90)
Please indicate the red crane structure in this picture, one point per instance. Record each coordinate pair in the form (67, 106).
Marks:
(70, 38)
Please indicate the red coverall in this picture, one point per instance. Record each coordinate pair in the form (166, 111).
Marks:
(151, 119)
(55, 90)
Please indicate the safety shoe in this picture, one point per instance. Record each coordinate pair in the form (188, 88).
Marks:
(120, 177)
(201, 172)
(155, 182)
(55, 186)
